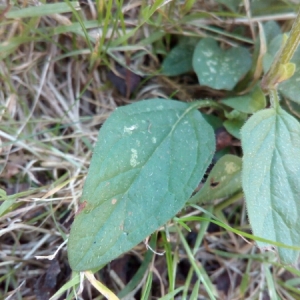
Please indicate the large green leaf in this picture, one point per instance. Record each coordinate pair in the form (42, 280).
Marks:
(149, 158)
(223, 181)
(218, 68)
(271, 178)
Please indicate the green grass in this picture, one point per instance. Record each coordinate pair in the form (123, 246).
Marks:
(55, 59)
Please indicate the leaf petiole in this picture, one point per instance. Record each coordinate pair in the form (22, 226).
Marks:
(282, 59)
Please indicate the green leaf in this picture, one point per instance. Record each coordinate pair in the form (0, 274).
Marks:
(138, 276)
(221, 153)
(233, 5)
(2, 194)
(234, 127)
(235, 115)
(271, 178)
(214, 121)
(6, 205)
(223, 181)
(195, 291)
(147, 287)
(149, 158)
(249, 103)
(218, 68)
(43, 10)
(286, 71)
(289, 88)
(291, 107)
(272, 49)
(75, 280)
(271, 30)
(179, 60)
(264, 7)
(171, 295)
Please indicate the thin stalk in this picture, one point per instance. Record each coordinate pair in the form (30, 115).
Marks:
(198, 268)
(274, 99)
(229, 201)
(284, 55)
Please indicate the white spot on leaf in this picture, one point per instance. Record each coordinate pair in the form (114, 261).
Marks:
(207, 53)
(130, 129)
(231, 167)
(133, 158)
(211, 64)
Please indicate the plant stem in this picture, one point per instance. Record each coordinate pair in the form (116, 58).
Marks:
(274, 99)
(229, 201)
(284, 55)
(208, 103)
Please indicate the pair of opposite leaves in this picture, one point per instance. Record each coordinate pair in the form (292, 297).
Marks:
(149, 158)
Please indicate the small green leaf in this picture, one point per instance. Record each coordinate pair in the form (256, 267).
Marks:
(2, 194)
(271, 30)
(289, 88)
(286, 71)
(214, 121)
(291, 107)
(249, 103)
(6, 205)
(271, 178)
(235, 115)
(223, 181)
(179, 60)
(234, 127)
(218, 68)
(149, 158)
(233, 5)
(273, 47)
